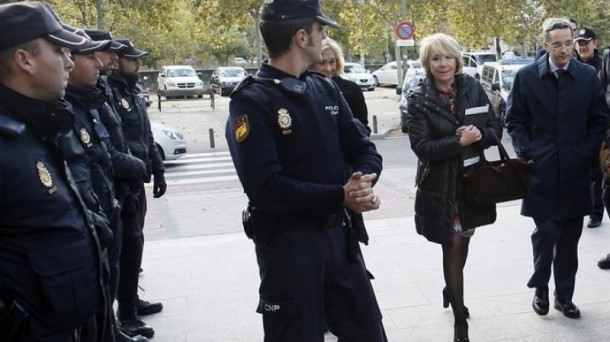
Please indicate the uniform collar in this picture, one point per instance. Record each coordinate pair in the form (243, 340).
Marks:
(86, 96)
(45, 117)
(268, 71)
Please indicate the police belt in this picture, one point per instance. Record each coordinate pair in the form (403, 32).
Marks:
(301, 222)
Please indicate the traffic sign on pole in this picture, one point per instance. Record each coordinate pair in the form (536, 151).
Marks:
(405, 30)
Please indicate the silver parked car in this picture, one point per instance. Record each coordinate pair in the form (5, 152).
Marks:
(170, 143)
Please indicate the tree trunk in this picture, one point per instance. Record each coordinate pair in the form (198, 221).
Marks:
(99, 8)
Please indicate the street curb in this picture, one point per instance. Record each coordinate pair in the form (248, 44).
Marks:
(381, 135)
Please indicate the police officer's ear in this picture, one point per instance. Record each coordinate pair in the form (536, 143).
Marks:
(301, 38)
(22, 57)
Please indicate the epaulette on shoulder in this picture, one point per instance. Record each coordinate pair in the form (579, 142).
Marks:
(10, 128)
(244, 83)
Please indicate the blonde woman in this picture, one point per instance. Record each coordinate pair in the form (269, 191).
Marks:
(439, 138)
(331, 66)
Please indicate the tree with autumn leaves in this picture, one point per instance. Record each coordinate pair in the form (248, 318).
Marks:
(207, 33)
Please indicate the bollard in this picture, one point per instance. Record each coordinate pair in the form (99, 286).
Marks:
(212, 100)
(159, 101)
(212, 145)
(374, 124)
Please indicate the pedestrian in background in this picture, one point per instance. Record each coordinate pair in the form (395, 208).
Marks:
(131, 106)
(331, 66)
(586, 41)
(439, 137)
(556, 116)
(290, 133)
(52, 274)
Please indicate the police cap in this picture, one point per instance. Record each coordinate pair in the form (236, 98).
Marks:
(130, 51)
(91, 46)
(279, 10)
(98, 35)
(25, 21)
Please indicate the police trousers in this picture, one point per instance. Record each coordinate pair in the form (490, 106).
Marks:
(132, 248)
(306, 278)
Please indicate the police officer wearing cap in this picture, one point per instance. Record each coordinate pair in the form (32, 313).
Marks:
(290, 132)
(105, 162)
(131, 106)
(51, 282)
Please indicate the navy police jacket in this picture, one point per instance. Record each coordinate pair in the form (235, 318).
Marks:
(131, 106)
(290, 139)
(49, 257)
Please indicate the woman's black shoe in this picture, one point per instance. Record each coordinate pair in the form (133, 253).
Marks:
(447, 300)
(460, 332)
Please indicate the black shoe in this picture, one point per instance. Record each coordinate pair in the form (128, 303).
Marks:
(568, 308)
(135, 326)
(446, 301)
(604, 263)
(594, 223)
(144, 307)
(120, 337)
(460, 332)
(541, 301)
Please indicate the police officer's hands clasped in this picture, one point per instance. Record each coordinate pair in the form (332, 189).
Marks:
(159, 185)
(468, 135)
(359, 195)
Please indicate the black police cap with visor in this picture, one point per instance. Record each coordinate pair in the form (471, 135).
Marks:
(26, 21)
(98, 35)
(130, 51)
(280, 10)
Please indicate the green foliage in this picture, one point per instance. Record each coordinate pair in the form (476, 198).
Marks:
(207, 33)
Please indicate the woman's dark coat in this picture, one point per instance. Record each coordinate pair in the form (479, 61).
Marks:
(432, 131)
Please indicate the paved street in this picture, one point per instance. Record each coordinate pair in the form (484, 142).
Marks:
(200, 265)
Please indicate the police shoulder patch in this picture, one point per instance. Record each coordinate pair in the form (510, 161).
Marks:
(241, 128)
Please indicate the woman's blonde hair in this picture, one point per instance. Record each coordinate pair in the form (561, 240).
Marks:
(329, 43)
(443, 44)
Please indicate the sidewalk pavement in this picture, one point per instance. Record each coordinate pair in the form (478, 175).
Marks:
(209, 285)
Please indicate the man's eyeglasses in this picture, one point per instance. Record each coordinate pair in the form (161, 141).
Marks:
(558, 46)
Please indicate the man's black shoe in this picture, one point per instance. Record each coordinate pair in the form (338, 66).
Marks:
(135, 326)
(568, 308)
(541, 301)
(604, 263)
(120, 337)
(144, 307)
(594, 223)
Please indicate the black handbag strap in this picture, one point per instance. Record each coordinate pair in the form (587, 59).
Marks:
(502, 151)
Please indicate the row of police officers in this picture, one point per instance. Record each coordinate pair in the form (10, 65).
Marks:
(75, 151)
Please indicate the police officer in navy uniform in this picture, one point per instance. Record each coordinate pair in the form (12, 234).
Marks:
(104, 161)
(131, 106)
(290, 132)
(51, 274)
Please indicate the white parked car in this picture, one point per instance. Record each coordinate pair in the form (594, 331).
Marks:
(179, 80)
(474, 60)
(388, 74)
(357, 73)
(169, 141)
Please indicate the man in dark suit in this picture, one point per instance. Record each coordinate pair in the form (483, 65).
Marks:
(556, 116)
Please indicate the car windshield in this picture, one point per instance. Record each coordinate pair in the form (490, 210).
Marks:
(415, 64)
(232, 73)
(486, 58)
(181, 73)
(354, 69)
(508, 76)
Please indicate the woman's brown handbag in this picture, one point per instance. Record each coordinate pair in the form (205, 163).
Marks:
(490, 182)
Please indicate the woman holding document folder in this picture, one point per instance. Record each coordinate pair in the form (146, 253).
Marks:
(450, 123)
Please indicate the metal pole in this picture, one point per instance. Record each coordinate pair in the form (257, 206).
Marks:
(211, 132)
(159, 101)
(374, 124)
(212, 102)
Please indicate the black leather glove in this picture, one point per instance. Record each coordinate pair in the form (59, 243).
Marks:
(159, 185)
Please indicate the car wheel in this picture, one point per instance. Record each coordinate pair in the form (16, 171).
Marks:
(199, 96)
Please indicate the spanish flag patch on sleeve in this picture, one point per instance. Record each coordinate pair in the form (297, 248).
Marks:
(241, 128)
